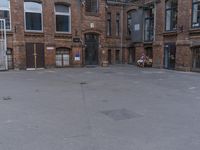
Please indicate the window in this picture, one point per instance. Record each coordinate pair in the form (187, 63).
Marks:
(63, 18)
(129, 18)
(5, 12)
(109, 26)
(62, 57)
(171, 15)
(33, 16)
(117, 24)
(196, 58)
(196, 14)
(149, 24)
(91, 6)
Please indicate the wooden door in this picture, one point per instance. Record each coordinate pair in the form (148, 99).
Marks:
(35, 55)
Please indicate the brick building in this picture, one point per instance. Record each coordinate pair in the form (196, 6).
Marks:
(54, 33)
(61, 33)
(169, 33)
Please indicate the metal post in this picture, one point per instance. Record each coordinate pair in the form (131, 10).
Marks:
(3, 45)
(35, 56)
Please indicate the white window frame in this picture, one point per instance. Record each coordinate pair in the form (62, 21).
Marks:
(7, 9)
(31, 11)
(63, 14)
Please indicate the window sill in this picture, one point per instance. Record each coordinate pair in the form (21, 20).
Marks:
(63, 35)
(128, 37)
(9, 32)
(195, 69)
(92, 14)
(194, 31)
(169, 33)
(148, 42)
(109, 36)
(34, 33)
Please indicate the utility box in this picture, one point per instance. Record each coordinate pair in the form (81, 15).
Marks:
(137, 26)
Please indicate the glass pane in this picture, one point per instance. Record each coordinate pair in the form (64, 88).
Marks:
(65, 60)
(62, 8)
(5, 14)
(4, 4)
(62, 23)
(168, 20)
(33, 21)
(32, 7)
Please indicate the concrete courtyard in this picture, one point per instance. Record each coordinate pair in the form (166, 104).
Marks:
(116, 108)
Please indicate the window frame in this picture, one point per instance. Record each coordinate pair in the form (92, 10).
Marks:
(63, 14)
(90, 12)
(109, 24)
(118, 24)
(129, 18)
(42, 27)
(173, 10)
(192, 15)
(9, 11)
(149, 18)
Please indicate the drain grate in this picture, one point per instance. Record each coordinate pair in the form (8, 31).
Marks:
(83, 83)
(120, 114)
(6, 98)
(108, 72)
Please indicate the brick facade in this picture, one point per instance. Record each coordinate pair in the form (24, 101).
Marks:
(118, 48)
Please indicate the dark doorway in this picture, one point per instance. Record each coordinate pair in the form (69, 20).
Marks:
(131, 55)
(117, 57)
(35, 55)
(110, 56)
(149, 52)
(196, 59)
(170, 56)
(91, 50)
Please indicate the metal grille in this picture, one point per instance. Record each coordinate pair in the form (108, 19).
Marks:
(3, 47)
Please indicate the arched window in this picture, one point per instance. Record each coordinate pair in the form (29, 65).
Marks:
(63, 18)
(62, 57)
(10, 58)
(171, 15)
(196, 14)
(33, 16)
(5, 12)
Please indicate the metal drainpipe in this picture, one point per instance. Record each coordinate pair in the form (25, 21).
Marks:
(121, 45)
(155, 13)
(79, 4)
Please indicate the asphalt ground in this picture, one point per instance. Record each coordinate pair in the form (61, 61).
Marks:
(116, 108)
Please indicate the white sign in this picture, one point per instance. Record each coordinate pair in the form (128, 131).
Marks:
(137, 27)
(77, 59)
(50, 48)
(92, 25)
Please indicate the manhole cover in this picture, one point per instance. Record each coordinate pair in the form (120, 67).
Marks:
(120, 114)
